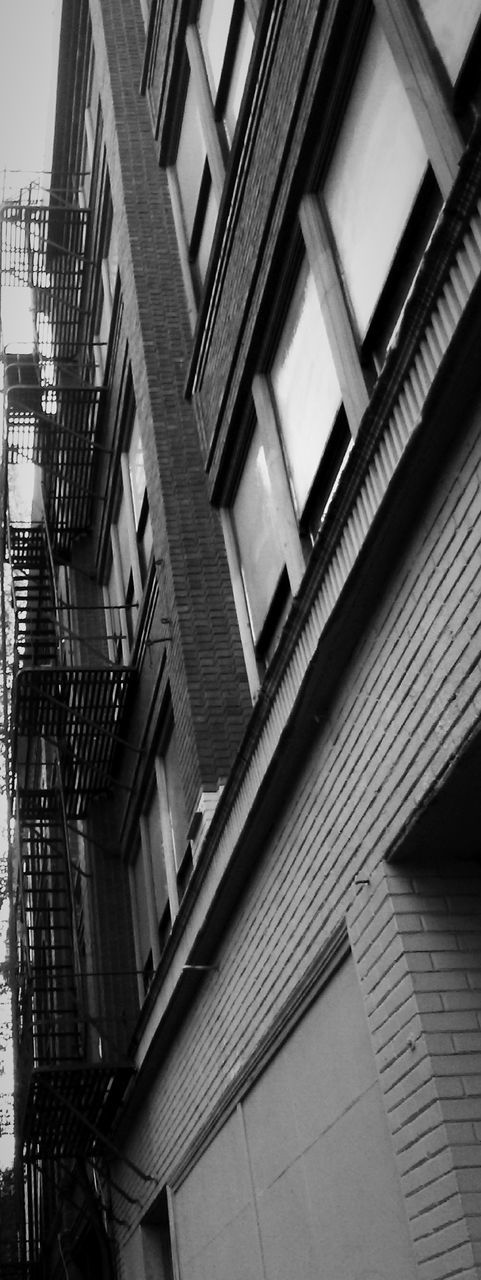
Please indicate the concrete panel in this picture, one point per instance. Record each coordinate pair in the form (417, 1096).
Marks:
(337, 1213)
(324, 1066)
(234, 1254)
(214, 1194)
(303, 1183)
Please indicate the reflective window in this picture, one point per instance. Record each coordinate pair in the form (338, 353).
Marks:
(141, 910)
(452, 24)
(375, 174)
(191, 160)
(238, 76)
(112, 259)
(207, 233)
(143, 526)
(136, 470)
(215, 17)
(305, 385)
(220, 48)
(132, 541)
(156, 852)
(175, 798)
(255, 526)
(115, 621)
(124, 544)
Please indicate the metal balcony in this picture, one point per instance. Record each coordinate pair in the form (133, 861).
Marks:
(65, 718)
(70, 1110)
(78, 710)
(43, 248)
(54, 427)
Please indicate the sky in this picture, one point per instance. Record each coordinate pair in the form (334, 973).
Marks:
(28, 55)
(28, 58)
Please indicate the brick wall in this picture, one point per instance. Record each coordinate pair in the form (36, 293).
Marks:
(406, 702)
(417, 941)
(206, 668)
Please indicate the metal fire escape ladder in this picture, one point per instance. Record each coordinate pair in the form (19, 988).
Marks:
(65, 717)
(71, 1099)
(76, 710)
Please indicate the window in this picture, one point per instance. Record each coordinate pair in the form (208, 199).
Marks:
(192, 167)
(452, 24)
(178, 852)
(295, 454)
(373, 179)
(383, 175)
(142, 929)
(152, 832)
(226, 37)
(140, 502)
(238, 76)
(117, 634)
(145, 10)
(255, 524)
(92, 103)
(199, 198)
(214, 23)
(129, 573)
(218, 49)
(163, 861)
(131, 549)
(305, 386)
(109, 259)
(175, 800)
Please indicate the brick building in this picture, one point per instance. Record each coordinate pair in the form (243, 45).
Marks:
(244, 751)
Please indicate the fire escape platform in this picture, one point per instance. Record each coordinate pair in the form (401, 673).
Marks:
(70, 1108)
(43, 247)
(79, 709)
(55, 428)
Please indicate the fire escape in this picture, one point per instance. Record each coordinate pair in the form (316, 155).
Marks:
(65, 718)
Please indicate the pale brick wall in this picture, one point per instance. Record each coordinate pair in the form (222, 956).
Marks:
(417, 941)
(387, 736)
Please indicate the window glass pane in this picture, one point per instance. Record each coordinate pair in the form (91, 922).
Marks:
(214, 21)
(377, 168)
(176, 801)
(103, 329)
(191, 156)
(452, 23)
(114, 619)
(112, 259)
(238, 77)
(124, 545)
(254, 521)
(145, 544)
(305, 385)
(207, 234)
(156, 850)
(143, 527)
(136, 470)
(141, 911)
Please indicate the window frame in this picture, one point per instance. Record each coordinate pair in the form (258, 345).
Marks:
(194, 72)
(177, 870)
(355, 364)
(130, 587)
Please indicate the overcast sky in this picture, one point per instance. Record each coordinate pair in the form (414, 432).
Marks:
(28, 56)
